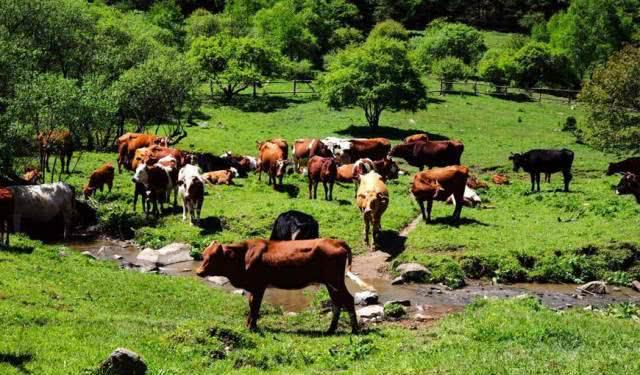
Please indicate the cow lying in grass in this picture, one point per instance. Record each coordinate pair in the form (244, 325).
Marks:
(256, 264)
(629, 184)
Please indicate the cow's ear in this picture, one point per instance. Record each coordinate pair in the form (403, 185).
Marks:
(254, 254)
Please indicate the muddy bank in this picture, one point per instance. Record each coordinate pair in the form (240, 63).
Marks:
(430, 300)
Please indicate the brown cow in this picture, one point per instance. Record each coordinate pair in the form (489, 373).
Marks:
(439, 184)
(224, 177)
(100, 177)
(57, 142)
(352, 172)
(159, 179)
(373, 148)
(273, 161)
(372, 200)
(255, 265)
(387, 168)
(152, 154)
(417, 137)
(500, 179)
(280, 142)
(325, 170)
(31, 175)
(131, 143)
(430, 153)
(304, 149)
(6, 214)
(475, 183)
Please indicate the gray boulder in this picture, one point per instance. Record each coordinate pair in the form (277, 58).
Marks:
(594, 287)
(413, 272)
(218, 280)
(371, 312)
(365, 298)
(170, 254)
(123, 362)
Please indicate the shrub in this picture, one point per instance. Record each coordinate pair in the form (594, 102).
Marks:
(390, 29)
(444, 39)
(450, 69)
(394, 310)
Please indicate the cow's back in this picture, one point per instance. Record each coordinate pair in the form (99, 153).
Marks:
(43, 202)
(549, 160)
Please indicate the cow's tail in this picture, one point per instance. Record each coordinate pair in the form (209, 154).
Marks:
(361, 283)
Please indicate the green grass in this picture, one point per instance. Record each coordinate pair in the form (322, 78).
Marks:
(496, 39)
(65, 314)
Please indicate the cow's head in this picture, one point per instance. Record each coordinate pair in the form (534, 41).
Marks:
(141, 176)
(212, 261)
(613, 168)
(373, 201)
(517, 161)
(88, 191)
(161, 141)
(281, 167)
(629, 184)
(140, 157)
(436, 190)
(387, 168)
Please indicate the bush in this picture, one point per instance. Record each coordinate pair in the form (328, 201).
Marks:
(394, 310)
(345, 36)
(450, 69)
(537, 63)
(495, 67)
(444, 39)
(447, 271)
(390, 29)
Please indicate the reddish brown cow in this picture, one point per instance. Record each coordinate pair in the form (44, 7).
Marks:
(439, 184)
(373, 148)
(152, 154)
(417, 137)
(273, 161)
(352, 172)
(304, 149)
(127, 149)
(100, 177)
(322, 170)
(431, 153)
(500, 179)
(57, 142)
(255, 265)
(280, 142)
(6, 214)
(224, 177)
(475, 183)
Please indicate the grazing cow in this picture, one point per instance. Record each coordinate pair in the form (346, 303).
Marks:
(224, 177)
(256, 264)
(191, 187)
(130, 142)
(387, 168)
(352, 172)
(151, 155)
(281, 143)
(535, 162)
(272, 160)
(159, 180)
(372, 200)
(430, 153)
(294, 225)
(500, 179)
(417, 137)
(57, 142)
(439, 184)
(475, 183)
(631, 165)
(304, 149)
(100, 177)
(470, 199)
(31, 175)
(629, 184)
(42, 203)
(322, 170)
(373, 148)
(6, 214)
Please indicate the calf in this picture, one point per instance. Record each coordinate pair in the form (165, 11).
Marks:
(191, 187)
(294, 225)
(475, 183)
(58, 142)
(387, 168)
(536, 162)
(322, 170)
(242, 164)
(100, 177)
(42, 203)
(255, 265)
(439, 184)
(430, 153)
(630, 165)
(224, 177)
(500, 179)
(159, 180)
(372, 200)
(273, 161)
(6, 214)
(304, 149)
(629, 184)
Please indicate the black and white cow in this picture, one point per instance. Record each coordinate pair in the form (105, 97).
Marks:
(294, 225)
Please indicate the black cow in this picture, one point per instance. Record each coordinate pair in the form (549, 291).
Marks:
(535, 162)
(209, 163)
(294, 225)
(629, 184)
(631, 165)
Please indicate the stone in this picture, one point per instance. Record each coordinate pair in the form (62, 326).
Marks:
(594, 287)
(123, 362)
(118, 257)
(218, 280)
(423, 318)
(109, 252)
(366, 298)
(413, 272)
(397, 281)
(88, 254)
(170, 254)
(635, 284)
(371, 312)
(239, 292)
(401, 302)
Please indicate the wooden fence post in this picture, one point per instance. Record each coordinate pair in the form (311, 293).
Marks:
(255, 84)
(540, 97)
(295, 86)
(475, 87)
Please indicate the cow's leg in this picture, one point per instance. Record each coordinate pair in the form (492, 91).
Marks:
(16, 223)
(315, 189)
(533, 181)
(135, 200)
(458, 210)
(567, 179)
(255, 300)
(429, 207)
(184, 209)
(110, 186)
(538, 180)
(200, 202)
(367, 223)
(331, 190)
(336, 307)
(421, 204)
(69, 156)
(326, 191)
(310, 188)
(46, 160)
(355, 184)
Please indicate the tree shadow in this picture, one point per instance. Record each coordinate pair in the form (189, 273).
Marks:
(210, 225)
(518, 98)
(447, 220)
(16, 249)
(261, 103)
(391, 242)
(17, 360)
(292, 190)
(386, 132)
(432, 100)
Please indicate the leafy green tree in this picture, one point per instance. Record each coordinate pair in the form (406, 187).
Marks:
(496, 66)
(442, 39)
(168, 15)
(612, 98)
(538, 63)
(450, 69)
(374, 76)
(201, 23)
(389, 29)
(235, 63)
(345, 36)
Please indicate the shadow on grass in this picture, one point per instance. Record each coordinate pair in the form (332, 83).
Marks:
(519, 98)
(292, 190)
(17, 360)
(341, 332)
(462, 221)
(210, 225)
(263, 104)
(391, 242)
(16, 249)
(386, 132)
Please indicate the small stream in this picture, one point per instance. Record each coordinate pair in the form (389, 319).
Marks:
(434, 300)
